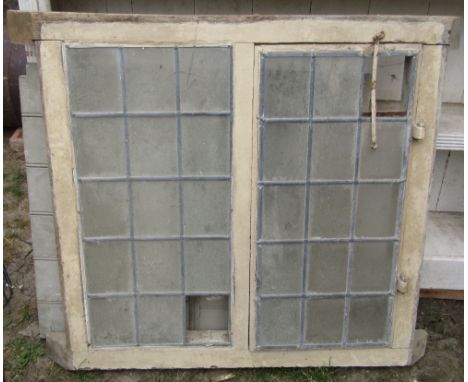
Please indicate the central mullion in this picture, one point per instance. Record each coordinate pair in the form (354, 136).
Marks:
(181, 195)
(307, 197)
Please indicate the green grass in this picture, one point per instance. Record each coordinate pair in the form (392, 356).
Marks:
(14, 183)
(24, 352)
(292, 374)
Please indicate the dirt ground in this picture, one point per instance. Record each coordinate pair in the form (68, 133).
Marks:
(25, 357)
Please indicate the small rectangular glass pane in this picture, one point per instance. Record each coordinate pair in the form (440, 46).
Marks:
(95, 158)
(94, 79)
(150, 79)
(285, 151)
(204, 79)
(206, 207)
(205, 146)
(283, 212)
(287, 83)
(279, 322)
(158, 266)
(104, 208)
(330, 211)
(386, 161)
(281, 268)
(151, 202)
(108, 267)
(161, 319)
(324, 320)
(337, 82)
(372, 267)
(328, 139)
(152, 146)
(327, 267)
(368, 319)
(111, 321)
(377, 210)
(206, 265)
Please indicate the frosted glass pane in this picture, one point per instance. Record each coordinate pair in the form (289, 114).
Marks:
(156, 208)
(111, 321)
(158, 266)
(286, 86)
(108, 267)
(386, 161)
(337, 86)
(150, 79)
(206, 265)
(204, 79)
(372, 266)
(367, 319)
(153, 146)
(104, 208)
(285, 151)
(94, 79)
(161, 319)
(206, 207)
(205, 146)
(376, 209)
(99, 146)
(330, 211)
(324, 320)
(328, 139)
(283, 212)
(279, 322)
(327, 267)
(281, 268)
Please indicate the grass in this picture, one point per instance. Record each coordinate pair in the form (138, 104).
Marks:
(24, 352)
(15, 183)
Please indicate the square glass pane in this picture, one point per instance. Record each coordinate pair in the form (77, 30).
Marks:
(337, 85)
(386, 161)
(377, 209)
(281, 268)
(204, 79)
(104, 208)
(329, 211)
(285, 151)
(153, 146)
(205, 145)
(324, 320)
(372, 266)
(328, 139)
(368, 319)
(283, 212)
(150, 79)
(161, 319)
(206, 207)
(279, 322)
(286, 86)
(99, 146)
(94, 79)
(327, 267)
(156, 208)
(111, 321)
(108, 266)
(158, 266)
(206, 265)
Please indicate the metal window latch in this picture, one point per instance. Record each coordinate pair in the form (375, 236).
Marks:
(419, 130)
(402, 283)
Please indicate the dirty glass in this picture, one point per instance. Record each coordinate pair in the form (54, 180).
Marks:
(152, 148)
(329, 205)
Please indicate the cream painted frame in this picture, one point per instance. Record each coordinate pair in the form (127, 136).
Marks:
(51, 31)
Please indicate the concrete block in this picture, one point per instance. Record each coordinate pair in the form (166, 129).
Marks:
(39, 189)
(47, 280)
(51, 317)
(30, 93)
(35, 140)
(43, 236)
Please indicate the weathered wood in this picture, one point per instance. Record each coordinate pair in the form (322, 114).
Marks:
(444, 294)
(25, 27)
